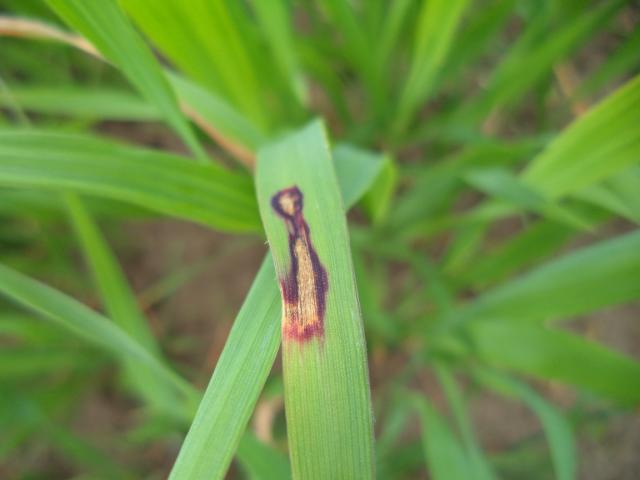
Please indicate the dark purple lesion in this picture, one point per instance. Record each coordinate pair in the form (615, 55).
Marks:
(304, 287)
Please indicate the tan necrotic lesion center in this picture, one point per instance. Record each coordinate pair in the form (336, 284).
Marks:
(304, 287)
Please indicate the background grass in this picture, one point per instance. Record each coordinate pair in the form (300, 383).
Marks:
(489, 149)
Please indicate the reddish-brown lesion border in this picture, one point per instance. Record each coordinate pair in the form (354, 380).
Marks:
(304, 287)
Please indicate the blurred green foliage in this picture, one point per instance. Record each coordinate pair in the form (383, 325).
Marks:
(490, 149)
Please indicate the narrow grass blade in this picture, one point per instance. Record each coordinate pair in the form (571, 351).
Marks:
(84, 322)
(97, 103)
(275, 19)
(209, 111)
(106, 26)
(357, 170)
(120, 302)
(556, 427)
(235, 385)
(591, 278)
(437, 23)
(536, 55)
(476, 37)
(601, 143)
(62, 439)
(378, 200)
(262, 463)
(205, 40)
(41, 204)
(318, 66)
(122, 307)
(557, 355)
(25, 363)
(618, 64)
(536, 242)
(619, 194)
(433, 188)
(392, 27)
(247, 359)
(445, 455)
(344, 16)
(161, 182)
(327, 396)
(216, 116)
(29, 329)
(479, 463)
(503, 186)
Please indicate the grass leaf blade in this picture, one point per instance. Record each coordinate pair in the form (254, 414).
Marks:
(112, 33)
(326, 380)
(556, 427)
(242, 369)
(444, 453)
(596, 146)
(552, 354)
(207, 194)
(84, 322)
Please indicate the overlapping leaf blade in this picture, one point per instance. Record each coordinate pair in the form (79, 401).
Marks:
(164, 183)
(444, 453)
(552, 354)
(594, 277)
(84, 322)
(250, 350)
(556, 427)
(112, 33)
(601, 143)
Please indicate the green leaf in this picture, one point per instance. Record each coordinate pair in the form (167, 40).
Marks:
(246, 361)
(556, 355)
(345, 17)
(539, 50)
(84, 322)
(477, 34)
(357, 170)
(29, 329)
(74, 449)
(536, 242)
(503, 186)
(556, 427)
(161, 182)
(211, 112)
(206, 41)
(478, 462)
(433, 188)
(260, 462)
(619, 194)
(598, 145)
(25, 363)
(617, 64)
(324, 354)
(236, 383)
(377, 202)
(231, 125)
(436, 26)
(594, 277)
(388, 35)
(275, 20)
(106, 26)
(96, 103)
(112, 284)
(444, 453)
(122, 307)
